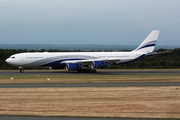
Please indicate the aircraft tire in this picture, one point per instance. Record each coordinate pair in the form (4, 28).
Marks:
(94, 71)
(88, 70)
(84, 70)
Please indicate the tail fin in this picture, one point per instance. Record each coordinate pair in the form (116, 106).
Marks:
(149, 43)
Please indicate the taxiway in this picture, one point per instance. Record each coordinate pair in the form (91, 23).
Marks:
(99, 72)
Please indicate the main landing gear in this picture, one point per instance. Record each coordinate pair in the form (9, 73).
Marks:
(87, 71)
(21, 69)
(93, 71)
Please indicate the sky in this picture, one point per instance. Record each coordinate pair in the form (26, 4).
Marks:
(102, 22)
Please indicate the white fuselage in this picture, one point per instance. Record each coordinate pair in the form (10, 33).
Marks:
(57, 58)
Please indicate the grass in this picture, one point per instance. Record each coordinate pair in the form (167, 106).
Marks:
(131, 102)
(88, 79)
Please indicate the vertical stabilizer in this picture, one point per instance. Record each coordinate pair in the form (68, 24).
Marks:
(149, 43)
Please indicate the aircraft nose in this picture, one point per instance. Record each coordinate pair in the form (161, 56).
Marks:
(7, 60)
(11, 61)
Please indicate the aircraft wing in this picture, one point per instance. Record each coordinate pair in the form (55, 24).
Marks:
(91, 60)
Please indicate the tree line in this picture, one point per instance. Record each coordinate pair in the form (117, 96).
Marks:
(162, 61)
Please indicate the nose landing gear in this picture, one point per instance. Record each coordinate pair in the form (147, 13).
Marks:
(21, 69)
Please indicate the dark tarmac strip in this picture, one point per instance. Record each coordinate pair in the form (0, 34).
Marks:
(99, 72)
(61, 85)
(65, 118)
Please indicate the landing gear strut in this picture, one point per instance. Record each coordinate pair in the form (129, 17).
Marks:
(21, 69)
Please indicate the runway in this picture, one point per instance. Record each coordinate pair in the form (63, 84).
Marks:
(62, 85)
(99, 72)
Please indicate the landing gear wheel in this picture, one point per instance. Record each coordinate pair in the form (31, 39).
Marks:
(94, 71)
(84, 70)
(88, 70)
(21, 71)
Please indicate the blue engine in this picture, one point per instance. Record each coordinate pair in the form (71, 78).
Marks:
(99, 64)
(73, 66)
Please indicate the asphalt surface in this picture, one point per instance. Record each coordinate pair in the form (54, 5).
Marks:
(64, 118)
(113, 72)
(88, 85)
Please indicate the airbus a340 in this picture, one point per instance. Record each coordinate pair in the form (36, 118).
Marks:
(85, 61)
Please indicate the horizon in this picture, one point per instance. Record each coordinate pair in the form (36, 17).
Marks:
(85, 47)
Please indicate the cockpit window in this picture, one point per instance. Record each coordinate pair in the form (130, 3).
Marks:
(13, 57)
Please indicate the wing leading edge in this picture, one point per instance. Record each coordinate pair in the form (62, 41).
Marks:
(90, 60)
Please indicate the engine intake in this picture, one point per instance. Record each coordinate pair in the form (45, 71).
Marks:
(99, 64)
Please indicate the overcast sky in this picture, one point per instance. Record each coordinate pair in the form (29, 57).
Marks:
(122, 22)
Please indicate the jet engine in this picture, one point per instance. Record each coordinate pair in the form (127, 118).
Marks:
(99, 64)
(73, 66)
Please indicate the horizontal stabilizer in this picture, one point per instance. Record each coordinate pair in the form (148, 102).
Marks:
(156, 53)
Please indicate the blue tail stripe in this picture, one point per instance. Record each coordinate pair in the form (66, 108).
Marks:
(150, 45)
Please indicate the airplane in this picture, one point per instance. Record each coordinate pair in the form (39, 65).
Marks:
(85, 61)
